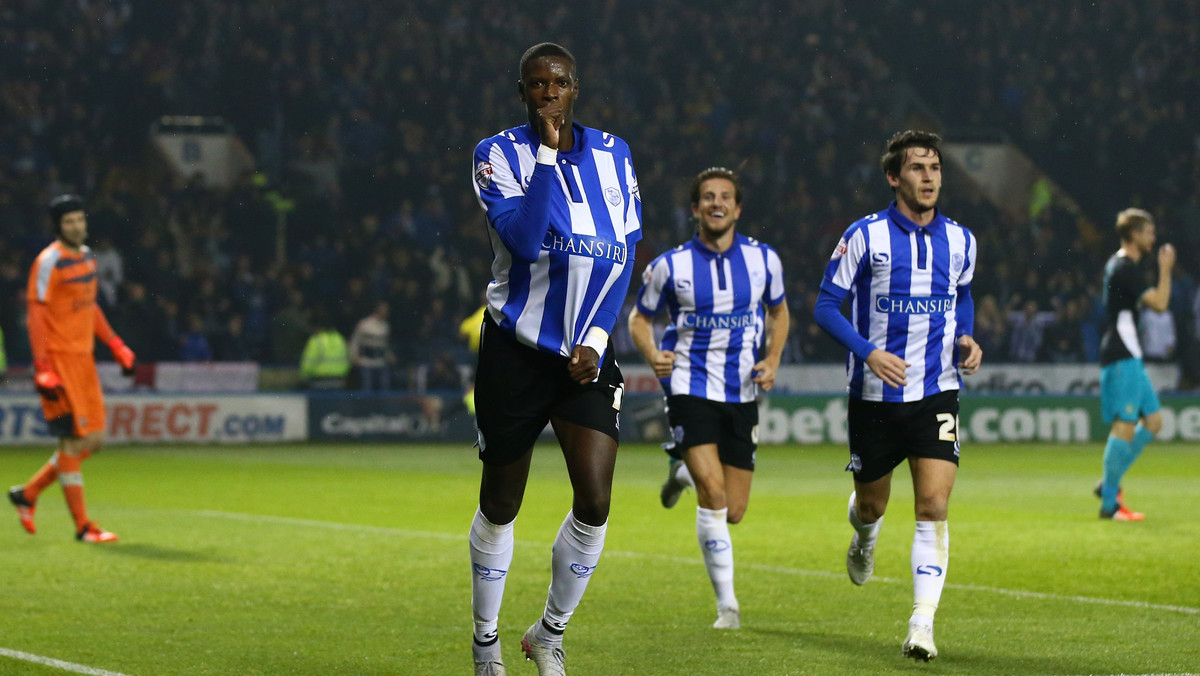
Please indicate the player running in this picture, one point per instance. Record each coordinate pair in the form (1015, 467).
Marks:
(907, 271)
(715, 288)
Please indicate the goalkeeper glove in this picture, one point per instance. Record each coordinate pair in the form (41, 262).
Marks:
(46, 380)
(122, 354)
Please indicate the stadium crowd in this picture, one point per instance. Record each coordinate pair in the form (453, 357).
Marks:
(365, 114)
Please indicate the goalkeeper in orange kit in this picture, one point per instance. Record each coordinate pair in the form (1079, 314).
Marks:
(63, 317)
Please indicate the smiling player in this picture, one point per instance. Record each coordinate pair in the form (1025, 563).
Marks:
(715, 288)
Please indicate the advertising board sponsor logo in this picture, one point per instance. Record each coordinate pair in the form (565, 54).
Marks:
(172, 419)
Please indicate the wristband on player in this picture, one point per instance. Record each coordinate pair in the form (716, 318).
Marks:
(547, 155)
(597, 339)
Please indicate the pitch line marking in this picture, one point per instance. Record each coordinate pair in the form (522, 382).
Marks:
(58, 664)
(1016, 593)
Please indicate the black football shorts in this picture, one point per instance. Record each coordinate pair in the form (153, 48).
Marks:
(883, 434)
(519, 388)
(696, 421)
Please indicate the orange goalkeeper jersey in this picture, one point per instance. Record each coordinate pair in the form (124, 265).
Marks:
(62, 300)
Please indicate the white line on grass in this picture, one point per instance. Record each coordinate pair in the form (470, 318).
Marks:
(58, 664)
(333, 525)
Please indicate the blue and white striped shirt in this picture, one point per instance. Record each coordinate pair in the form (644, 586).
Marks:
(715, 302)
(562, 235)
(909, 290)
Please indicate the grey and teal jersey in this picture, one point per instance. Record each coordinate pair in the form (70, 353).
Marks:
(1124, 284)
(562, 235)
(715, 303)
(909, 289)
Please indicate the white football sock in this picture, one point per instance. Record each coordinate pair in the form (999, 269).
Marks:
(491, 554)
(712, 531)
(576, 553)
(930, 557)
(868, 533)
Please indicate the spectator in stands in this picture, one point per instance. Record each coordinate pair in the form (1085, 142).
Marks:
(232, 343)
(144, 321)
(1063, 338)
(110, 268)
(1157, 329)
(290, 329)
(443, 375)
(990, 324)
(329, 137)
(193, 344)
(371, 350)
(1027, 329)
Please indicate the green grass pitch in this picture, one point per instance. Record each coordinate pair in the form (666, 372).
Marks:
(353, 560)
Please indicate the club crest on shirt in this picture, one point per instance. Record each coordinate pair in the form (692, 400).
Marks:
(483, 174)
(612, 195)
(839, 251)
(956, 262)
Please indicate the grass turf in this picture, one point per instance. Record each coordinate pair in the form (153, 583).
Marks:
(353, 560)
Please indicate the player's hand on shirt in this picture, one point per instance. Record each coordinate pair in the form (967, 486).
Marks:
(764, 374)
(584, 365)
(46, 380)
(1166, 257)
(663, 363)
(971, 353)
(891, 369)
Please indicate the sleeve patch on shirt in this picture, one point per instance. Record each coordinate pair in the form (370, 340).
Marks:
(839, 251)
(483, 174)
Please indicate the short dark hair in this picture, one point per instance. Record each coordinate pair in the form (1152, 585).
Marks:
(898, 145)
(1131, 221)
(545, 49)
(716, 172)
(61, 206)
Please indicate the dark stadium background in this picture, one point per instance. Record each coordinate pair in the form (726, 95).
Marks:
(361, 116)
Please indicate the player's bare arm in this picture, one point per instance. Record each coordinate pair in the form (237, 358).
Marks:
(888, 367)
(972, 355)
(641, 330)
(765, 370)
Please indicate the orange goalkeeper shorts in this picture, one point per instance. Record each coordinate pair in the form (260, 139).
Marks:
(79, 409)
